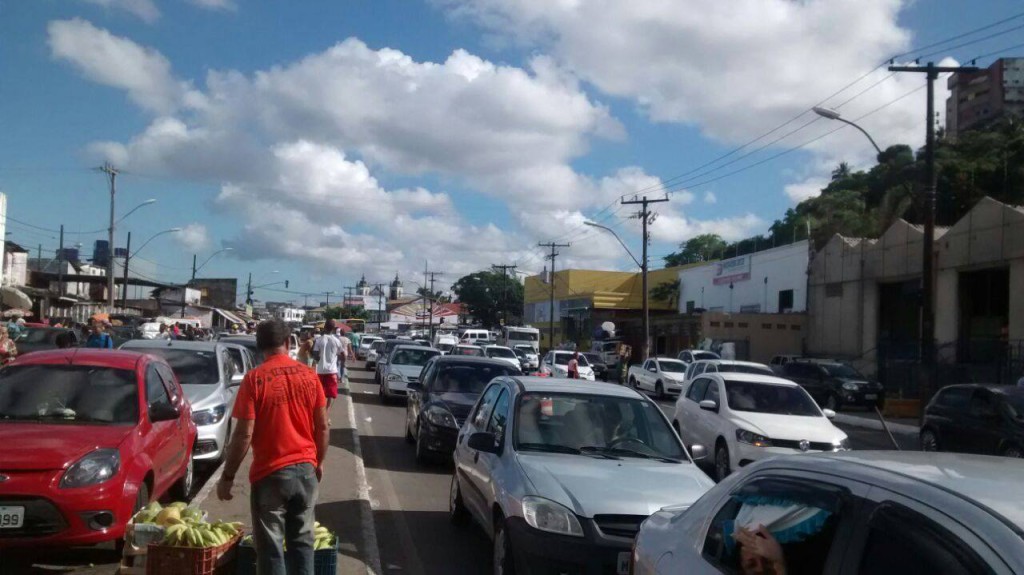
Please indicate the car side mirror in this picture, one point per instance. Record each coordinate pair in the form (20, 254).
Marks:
(698, 452)
(163, 412)
(414, 386)
(829, 413)
(483, 441)
(236, 379)
(709, 405)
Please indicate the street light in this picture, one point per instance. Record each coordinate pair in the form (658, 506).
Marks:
(248, 289)
(128, 254)
(834, 115)
(643, 270)
(206, 261)
(132, 211)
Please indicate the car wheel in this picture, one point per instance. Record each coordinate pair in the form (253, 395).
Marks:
(503, 561)
(457, 512)
(721, 462)
(659, 390)
(423, 456)
(1013, 451)
(632, 382)
(832, 402)
(183, 487)
(141, 500)
(929, 442)
(408, 433)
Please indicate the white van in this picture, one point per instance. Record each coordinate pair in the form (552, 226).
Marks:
(445, 342)
(511, 336)
(472, 336)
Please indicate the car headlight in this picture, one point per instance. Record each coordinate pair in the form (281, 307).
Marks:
(848, 386)
(210, 416)
(96, 467)
(440, 417)
(751, 438)
(394, 377)
(549, 516)
(842, 445)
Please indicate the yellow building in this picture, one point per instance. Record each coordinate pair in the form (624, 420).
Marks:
(578, 293)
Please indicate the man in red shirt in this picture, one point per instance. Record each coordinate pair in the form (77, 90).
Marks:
(280, 411)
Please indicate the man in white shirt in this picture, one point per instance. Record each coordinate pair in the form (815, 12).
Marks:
(328, 352)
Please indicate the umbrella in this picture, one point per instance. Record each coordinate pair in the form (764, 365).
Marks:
(100, 316)
(13, 297)
(16, 311)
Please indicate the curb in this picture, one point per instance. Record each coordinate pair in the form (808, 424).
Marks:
(876, 425)
(369, 528)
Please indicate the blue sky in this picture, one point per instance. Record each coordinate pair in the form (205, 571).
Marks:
(330, 139)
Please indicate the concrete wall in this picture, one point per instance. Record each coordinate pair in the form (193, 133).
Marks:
(767, 334)
(768, 272)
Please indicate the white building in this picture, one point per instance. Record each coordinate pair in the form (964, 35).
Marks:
(769, 281)
(290, 314)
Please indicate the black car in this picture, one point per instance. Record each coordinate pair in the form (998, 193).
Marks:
(440, 401)
(597, 362)
(835, 385)
(40, 338)
(975, 418)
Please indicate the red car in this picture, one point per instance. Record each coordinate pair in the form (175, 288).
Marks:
(87, 437)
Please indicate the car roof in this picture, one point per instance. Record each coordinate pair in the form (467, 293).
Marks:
(751, 378)
(471, 359)
(172, 343)
(576, 386)
(997, 388)
(983, 479)
(729, 362)
(83, 356)
(415, 347)
(659, 358)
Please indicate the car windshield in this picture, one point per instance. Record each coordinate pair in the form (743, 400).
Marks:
(236, 359)
(743, 368)
(589, 424)
(193, 367)
(842, 370)
(563, 359)
(672, 366)
(37, 335)
(469, 350)
(593, 358)
(69, 394)
(378, 345)
(525, 348)
(445, 347)
(467, 378)
(500, 352)
(523, 335)
(769, 398)
(697, 355)
(413, 356)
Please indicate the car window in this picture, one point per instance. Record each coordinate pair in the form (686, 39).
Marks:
(450, 377)
(954, 397)
(156, 393)
(672, 366)
(705, 355)
(697, 389)
(982, 404)
(499, 416)
(744, 368)
(687, 357)
(712, 393)
(170, 384)
(770, 398)
(192, 367)
(842, 370)
(903, 542)
(236, 359)
(801, 369)
(699, 368)
(413, 356)
(72, 394)
(710, 368)
(500, 352)
(817, 507)
(483, 410)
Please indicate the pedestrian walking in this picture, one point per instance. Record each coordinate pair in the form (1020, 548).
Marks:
(281, 413)
(343, 357)
(98, 337)
(8, 349)
(327, 353)
(305, 354)
(573, 369)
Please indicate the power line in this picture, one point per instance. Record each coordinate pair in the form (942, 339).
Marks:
(551, 325)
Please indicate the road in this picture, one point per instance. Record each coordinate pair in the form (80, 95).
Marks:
(409, 502)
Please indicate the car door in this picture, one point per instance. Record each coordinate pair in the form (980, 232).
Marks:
(466, 457)
(160, 442)
(980, 432)
(490, 466)
(706, 424)
(948, 413)
(417, 397)
(227, 371)
(182, 436)
(690, 411)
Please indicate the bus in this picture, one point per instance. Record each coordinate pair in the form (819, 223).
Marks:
(512, 336)
(358, 325)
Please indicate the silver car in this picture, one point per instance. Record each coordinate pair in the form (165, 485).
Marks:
(208, 377)
(883, 512)
(403, 367)
(562, 472)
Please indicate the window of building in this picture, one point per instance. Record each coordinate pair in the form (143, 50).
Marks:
(780, 326)
(728, 324)
(690, 306)
(794, 327)
(766, 326)
(715, 324)
(785, 300)
(742, 324)
(834, 289)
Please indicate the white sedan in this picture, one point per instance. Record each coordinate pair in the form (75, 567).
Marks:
(744, 417)
(556, 364)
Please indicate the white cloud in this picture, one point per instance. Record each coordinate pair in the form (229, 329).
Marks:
(146, 10)
(710, 197)
(193, 237)
(808, 188)
(215, 4)
(116, 62)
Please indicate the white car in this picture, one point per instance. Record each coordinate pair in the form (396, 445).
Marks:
(403, 366)
(556, 364)
(725, 366)
(502, 353)
(532, 362)
(743, 417)
(689, 356)
(662, 375)
(364, 346)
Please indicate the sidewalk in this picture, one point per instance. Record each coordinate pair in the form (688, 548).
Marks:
(343, 505)
(869, 420)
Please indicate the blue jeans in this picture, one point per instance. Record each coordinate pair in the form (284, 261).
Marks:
(282, 512)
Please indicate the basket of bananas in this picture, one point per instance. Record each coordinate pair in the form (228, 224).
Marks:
(192, 546)
(325, 553)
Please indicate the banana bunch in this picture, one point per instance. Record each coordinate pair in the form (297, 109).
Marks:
(322, 537)
(200, 534)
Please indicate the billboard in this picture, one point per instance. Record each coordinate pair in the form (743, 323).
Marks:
(732, 270)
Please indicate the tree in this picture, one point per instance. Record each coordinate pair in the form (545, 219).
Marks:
(346, 312)
(667, 292)
(437, 296)
(697, 249)
(490, 297)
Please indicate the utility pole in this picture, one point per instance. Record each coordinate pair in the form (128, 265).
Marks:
(504, 288)
(551, 310)
(124, 286)
(248, 291)
(60, 264)
(112, 172)
(194, 266)
(646, 218)
(39, 258)
(430, 298)
(380, 306)
(928, 372)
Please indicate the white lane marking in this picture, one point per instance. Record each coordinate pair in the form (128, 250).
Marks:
(368, 526)
(211, 484)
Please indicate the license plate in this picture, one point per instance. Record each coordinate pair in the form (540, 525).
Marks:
(870, 396)
(623, 564)
(11, 517)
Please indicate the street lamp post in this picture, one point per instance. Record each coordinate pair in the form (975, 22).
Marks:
(834, 115)
(128, 257)
(206, 261)
(643, 270)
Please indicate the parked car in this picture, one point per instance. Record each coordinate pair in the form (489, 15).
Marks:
(726, 366)
(88, 437)
(241, 357)
(373, 355)
(745, 417)
(662, 375)
(780, 360)
(384, 355)
(502, 353)
(43, 338)
(468, 350)
(403, 367)
(835, 385)
(439, 402)
(881, 512)
(474, 336)
(560, 473)
(597, 363)
(975, 418)
(207, 375)
(248, 341)
(556, 364)
(689, 356)
(529, 358)
(365, 343)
